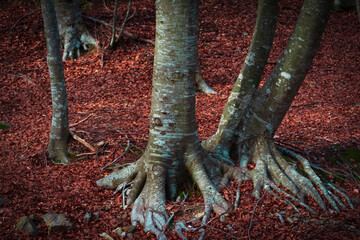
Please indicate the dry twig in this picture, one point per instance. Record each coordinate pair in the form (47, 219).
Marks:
(116, 159)
(252, 216)
(82, 141)
(126, 33)
(123, 24)
(81, 121)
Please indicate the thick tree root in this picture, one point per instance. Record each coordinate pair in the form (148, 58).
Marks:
(272, 169)
(150, 182)
(202, 86)
(60, 156)
(77, 42)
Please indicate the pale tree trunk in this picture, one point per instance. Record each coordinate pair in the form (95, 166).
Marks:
(174, 151)
(59, 132)
(248, 79)
(251, 118)
(75, 38)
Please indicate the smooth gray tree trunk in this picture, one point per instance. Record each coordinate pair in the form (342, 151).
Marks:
(252, 116)
(59, 132)
(75, 37)
(174, 153)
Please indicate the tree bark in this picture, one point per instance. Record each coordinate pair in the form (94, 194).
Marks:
(248, 79)
(59, 132)
(75, 38)
(174, 151)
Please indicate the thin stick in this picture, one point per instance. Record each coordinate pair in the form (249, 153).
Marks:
(127, 148)
(123, 24)
(112, 40)
(28, 79)
(24, 17)
(86, 154)
(171, 217)
(252, 216)
(81, 121)
(126, 33)
(106, 6)
(82, 141)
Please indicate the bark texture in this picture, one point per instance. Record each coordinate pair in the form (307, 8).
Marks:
(174, 151)
(247, 81)
(251, 116)
(75, 38)
(59, 132)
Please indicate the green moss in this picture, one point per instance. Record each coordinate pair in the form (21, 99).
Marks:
(72, 155)
(352, 154)
(4, 125)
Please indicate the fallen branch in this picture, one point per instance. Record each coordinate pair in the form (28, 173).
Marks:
(82, 141)
(123, 24)
(30, 13)
(126, 33)
(116, 159)
(86, 154)
(81, 121)
(307, 104)
(170, 218)
(28, 79)
(252, 216)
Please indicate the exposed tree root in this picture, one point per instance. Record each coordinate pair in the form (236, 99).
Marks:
(59, 156)
(272, 170)
(76, 42)
(202, 85)
(150, 183)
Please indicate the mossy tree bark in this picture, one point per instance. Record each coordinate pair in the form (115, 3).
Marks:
(59, 132)
(75, 37)
(174, 150)
(252, 116)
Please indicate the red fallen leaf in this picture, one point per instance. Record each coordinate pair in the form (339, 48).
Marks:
(251, 166)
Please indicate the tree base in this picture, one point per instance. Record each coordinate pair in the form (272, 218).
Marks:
(273, 169)
(145, 186)
(77, 41)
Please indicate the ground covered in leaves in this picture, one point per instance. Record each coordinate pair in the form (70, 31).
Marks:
(109, 104)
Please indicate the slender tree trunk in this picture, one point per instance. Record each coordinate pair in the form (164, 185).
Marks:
(59, 132)
(248, 79)
(75, 38)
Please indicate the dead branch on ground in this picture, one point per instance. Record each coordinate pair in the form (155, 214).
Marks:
(116, 159)
(81, 121)
(126, 33)
(82, 141)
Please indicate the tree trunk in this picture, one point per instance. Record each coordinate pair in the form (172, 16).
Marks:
(174, 150)
(59, 132)
(251, 117)
(75, 38)
(248, 79)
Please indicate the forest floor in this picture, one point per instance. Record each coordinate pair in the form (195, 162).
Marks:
(111, 92)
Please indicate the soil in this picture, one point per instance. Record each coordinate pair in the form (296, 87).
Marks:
(111, 92)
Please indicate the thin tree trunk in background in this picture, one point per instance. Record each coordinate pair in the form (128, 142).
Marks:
(112, 40)
(59, 132)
